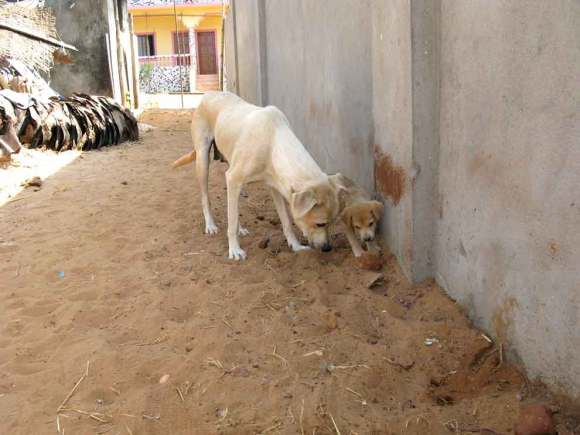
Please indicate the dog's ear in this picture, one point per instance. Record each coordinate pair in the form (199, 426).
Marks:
(303, 202)
(377, 209)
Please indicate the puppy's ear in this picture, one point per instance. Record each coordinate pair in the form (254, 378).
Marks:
(346, 216)
(341, 185)
(303, 202)
(377, 209)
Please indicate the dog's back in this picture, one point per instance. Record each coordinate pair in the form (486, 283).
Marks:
(216, 104)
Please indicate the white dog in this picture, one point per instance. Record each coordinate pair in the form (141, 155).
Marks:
(259, 145)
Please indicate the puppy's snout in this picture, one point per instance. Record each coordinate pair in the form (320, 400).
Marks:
(326, 247)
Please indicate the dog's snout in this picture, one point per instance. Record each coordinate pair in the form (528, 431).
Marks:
(326, 247)
(368, 238)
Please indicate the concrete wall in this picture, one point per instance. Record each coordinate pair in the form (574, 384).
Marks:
(247, 71)
(328, 68)
(509, 232)
(465, 118)
(392, 116)
(330, 106)
(82, 23)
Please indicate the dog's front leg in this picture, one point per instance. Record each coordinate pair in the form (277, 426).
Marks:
(234, 186)
(357, 249)
(282, 210)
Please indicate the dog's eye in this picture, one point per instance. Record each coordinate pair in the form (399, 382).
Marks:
(371, 223)
(357, 227)
(321, 225)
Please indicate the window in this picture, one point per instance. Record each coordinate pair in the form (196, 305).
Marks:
(181, 47)
(146, 45)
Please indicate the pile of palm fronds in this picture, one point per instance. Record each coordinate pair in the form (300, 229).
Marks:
(80, 122)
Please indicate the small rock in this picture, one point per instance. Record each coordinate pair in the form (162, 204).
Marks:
(288, 396)
(33, 182)
(430, 341)
(240, 372)
(405, 362)
(124, 183)
(188, 348)
(260, 217)
(327, 367)
(535, 420)
(264, 242)
(164, 379)
(274, 222)
(330, 319)
(375, 280)
(275, 247)
(371, 261)
(144, 128)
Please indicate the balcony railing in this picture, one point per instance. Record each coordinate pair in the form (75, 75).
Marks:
(166, 60)
(133, 4)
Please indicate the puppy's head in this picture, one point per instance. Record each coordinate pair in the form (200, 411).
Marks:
(314, 210)
(363, 219)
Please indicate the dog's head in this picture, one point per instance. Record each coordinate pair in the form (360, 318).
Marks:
(314, 210)
(363, 219)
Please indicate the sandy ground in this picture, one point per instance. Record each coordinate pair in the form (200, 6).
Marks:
(106, 264)
(28, 164)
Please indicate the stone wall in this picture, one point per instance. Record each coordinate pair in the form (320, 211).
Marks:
(155, 79)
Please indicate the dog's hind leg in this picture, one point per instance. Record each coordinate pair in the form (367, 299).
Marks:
(234, 187)
(282, 210)
(201, 142)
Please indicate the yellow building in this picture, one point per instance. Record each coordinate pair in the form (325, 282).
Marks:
(179, 46)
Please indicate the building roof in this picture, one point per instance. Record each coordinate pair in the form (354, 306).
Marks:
(134, 4)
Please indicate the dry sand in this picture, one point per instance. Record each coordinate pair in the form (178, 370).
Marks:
(107, 264)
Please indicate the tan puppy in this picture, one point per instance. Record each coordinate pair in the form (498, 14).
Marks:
(360, 215)
(259, 145)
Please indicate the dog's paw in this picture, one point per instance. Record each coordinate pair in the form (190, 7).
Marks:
(211, 229)
(243, 231)
(237, 253)
(298, 247)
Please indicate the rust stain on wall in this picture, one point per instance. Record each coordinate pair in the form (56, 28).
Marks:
(390, 180)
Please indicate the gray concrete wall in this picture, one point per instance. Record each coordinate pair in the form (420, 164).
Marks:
(230, 52)
(326, 67)
(405, 60)
(392, 117)
(82, 23)
(247, 70)
(509, 231)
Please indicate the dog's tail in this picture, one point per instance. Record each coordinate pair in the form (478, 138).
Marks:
(184, 160)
